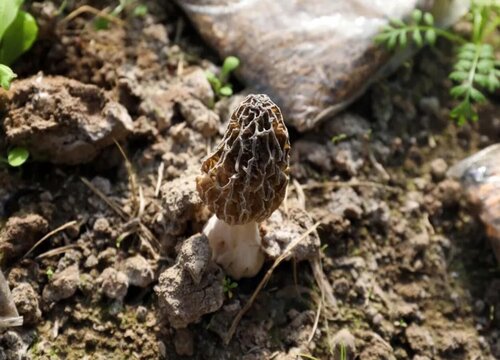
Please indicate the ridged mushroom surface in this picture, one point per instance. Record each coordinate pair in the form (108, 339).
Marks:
(245, 178)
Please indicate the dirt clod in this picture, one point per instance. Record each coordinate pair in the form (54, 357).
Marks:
(62, 120)
(181, 299)
(114, 284)
(26, 300)
(282, 229)
(138, 271)
(19, 234)
(63, 285)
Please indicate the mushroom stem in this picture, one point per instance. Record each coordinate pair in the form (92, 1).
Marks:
(235, 247)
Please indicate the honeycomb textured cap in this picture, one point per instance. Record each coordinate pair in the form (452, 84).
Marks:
(245, 178)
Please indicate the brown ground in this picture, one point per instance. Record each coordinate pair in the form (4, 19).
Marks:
(409, 263)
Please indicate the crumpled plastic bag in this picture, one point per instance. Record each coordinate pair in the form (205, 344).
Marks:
(8, 313)
(480, 176)
(312, 57)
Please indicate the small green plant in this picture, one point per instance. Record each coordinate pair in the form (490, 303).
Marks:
(220, 83)
(136, 8)
(343, 351)
(228, 286)
(50, 273)
(16, 156)
(338, 138)
(475, 71)
(18, 32)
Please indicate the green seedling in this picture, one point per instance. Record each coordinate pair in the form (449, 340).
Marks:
(343, 351)
(18, 32)
(338, 138)
(50, 273)
(475, 71)
(16, 157)
(6, 76)
(220, 84)
(136, 8)
(228, 286)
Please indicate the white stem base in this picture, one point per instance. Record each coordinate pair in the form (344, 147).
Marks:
(235, 247)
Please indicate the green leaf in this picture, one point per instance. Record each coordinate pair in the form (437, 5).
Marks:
(459, 90)
(485, 66)
(466, 55)
(101, 23)
(391, 43)
(230, 64)
(477, 95)
(398, 22)
(402, 39)
(226, 91)
(417, 38)
(463, 112)
(8, 12)
(464, 65)
(430, 36)
(416, 15)
(492, 83)
(381, 38)
(18, 38)
(17, 156)
(140, 10)
(6, 76)
(458, 76)
(481, 79)
(469, 47)
(428, 19)
(486, 51)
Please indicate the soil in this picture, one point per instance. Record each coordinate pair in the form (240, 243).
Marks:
(409, 264)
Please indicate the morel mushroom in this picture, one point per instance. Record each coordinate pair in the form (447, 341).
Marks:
(244, 180)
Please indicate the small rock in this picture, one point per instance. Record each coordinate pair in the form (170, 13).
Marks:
(141, 314)
(19, 234)
(183, 342)
(139, 271)
(114, 284)
(26, 300)
(438, 169)
(91, 261)
(101, 226)
(63, 285)
(199, 117)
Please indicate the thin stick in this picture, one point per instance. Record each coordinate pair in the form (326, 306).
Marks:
(316, 318)
(53, 232)
(89, 9)
(104, 198)
(160, 178)
(264, 281)
(57, 251)
(132, 178)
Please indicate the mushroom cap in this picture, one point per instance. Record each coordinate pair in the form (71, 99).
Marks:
(245, 178)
